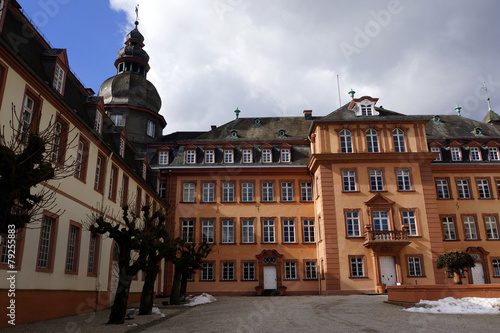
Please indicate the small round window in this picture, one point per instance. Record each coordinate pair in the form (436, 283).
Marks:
(234, 134)
(281, 132)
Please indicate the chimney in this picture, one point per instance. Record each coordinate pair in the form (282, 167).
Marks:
(212, 127)
(308, 114)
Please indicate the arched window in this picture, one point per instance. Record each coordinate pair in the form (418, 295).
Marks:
(372, 141)
(399, 140)
(345, 141)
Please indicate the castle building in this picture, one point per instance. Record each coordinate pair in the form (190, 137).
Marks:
(304, 205)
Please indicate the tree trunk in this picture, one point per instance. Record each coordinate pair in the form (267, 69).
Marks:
(176, 287)
(184, 281)
(119, 308)
(148, 289)
(456, 277)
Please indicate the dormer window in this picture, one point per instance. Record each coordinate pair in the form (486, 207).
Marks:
(456, 155)
(366, 109)
(117, 119)
(257, 122)
(163, 157)
(144, 170)
(98, 122)
(437, 119)
(247, 156)
(228, 156)
(234, 134)
(266, 156)
(190, 156)
(478, 131)
(436, 150)
(281, 133)
(151, 129)
(59, 75)
(285, 155)
(475, 154)
(122, 147)
(209, 156)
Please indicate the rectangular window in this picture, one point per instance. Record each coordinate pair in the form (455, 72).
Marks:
(113, 183)
(376, 180)
(399, 141)
(436, 150)
(247, 192)
(491, 226)
(188, 192)
(498, 187)
(190, 156)
(410, 220)
(228, 271)
(475, 154)
(380, 220)
(81, 159)
(162, 190)
(163, 157)
(414, 266)
(248, 271)
(289, 231)
(449, 228)
(287, 191)
(493, 153)
(470, 227)
(208, 192)
(59, 142)
(310, 267)
(209, 156)
(228, 192)
(138, 201)
(352, 222)
(309, 232)
(188, 231)
(267, 191)
(442, 189)
(207, 231)
(483, 188)
(496, 267)
(98, 121)
(46, 248)
(247, 231)
(124, 194)
(404, 180)
(58, 79)
(151, 130)
(247, 156)
(285, 155)
(227, 231)
(72, 253)
(463, 188)
(100, 171)
(228, 156)
(357, 267)
(290, 270)
(122, 148)
(345, 141)
(93, 255)
(349, 180)
(306, 192)
(266, 156)
(268, 231)
(207, 271)
(117, 119)
(27, 117)
(455, 154)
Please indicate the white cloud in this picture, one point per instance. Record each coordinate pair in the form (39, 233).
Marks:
(280, 57)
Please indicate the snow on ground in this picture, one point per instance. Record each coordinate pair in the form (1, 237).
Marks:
(201, 299)
(466, 305)
(155, 310)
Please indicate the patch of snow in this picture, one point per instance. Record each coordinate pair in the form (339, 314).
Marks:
(155, 310)
(466, 305)
(201, 299)
(134, 324)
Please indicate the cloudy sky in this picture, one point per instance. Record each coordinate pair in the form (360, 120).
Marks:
(280, 57)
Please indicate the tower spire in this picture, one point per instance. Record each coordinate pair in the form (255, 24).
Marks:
(136, 15)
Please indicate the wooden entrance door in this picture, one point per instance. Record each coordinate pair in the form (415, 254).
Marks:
(270, 277)
(387, 270)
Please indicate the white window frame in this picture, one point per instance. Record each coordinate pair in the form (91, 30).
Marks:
(190, 156)
(436, 150)
(267, 156)
(188, 231)
(456, 154)
(372, 141)
(483, 188)
(117, 119)
(207, 231)
(208, 192)
(443, 190)
(470, 227)
(289, 231)
(227, 231)
(311, 270)
(306, 191)
(98, 122)
(247, 231)
(357, 266)
(249, 271)
(345, 141)
(381, 220)
(409, 218)
(58, 78)
(493, 153)
(285, 155)
(352, 224)
(122, 148)
(207, 271)
(209, 156)
(188, 192)
(151, 130)
(449, 231)
(398, 136)
(290, 270)
(228, 156)
(491, 227)
(475, 154)
(287, 191)
(247, 156)
(309, 231)
(349, 181)
(376, 180)
(268, 231)
(463, 188)
(414, 266)
(267, 191)
(404, 182)
(228, 192)
(163, 157)
(247, 192)
(228, 271)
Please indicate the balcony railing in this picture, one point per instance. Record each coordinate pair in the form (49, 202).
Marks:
(387, 237)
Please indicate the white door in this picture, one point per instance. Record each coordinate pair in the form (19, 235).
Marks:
(270, 277)
(387, 270)
(478, 274)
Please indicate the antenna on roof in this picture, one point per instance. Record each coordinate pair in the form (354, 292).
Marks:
(136, 15)
(338, 87)
(487, 98)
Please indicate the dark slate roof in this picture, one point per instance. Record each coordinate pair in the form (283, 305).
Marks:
(296, 128)
(176, 137)
(456, 127)
(345, 115)
(491, 116)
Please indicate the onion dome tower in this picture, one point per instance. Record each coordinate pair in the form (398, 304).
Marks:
(130, 100)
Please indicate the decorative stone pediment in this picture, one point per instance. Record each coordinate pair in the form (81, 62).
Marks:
(379, 200)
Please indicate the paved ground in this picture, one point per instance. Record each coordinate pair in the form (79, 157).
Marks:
(356, 313)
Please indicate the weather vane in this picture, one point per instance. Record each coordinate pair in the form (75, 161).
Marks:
(487, 97)
(137, 14)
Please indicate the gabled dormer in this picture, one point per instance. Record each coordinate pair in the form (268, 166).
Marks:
(57, 67)
(364, 106)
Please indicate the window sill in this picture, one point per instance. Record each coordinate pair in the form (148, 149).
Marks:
(473, 240)
(420, 276)
(272, 201)
(357, 191)
(248, 280)
(248, 243)
(358, 277)
(71, 272)
(305, 201)
(492, 239)
(247, 202)
(451, 240)
(289, 243)
(405, 191)
(316, 279)
(227, 243)
(286, 201)
(377, 191)
(188, 202)
(465, 198)
(486, 198)
(355, 237)
(308, 243)
(415, 236)
(445, 198)
(206, 281)
(228, 280)
(232, 201)
(291, 279)
(269, 243)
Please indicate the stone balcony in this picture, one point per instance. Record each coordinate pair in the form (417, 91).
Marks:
(395, 239)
